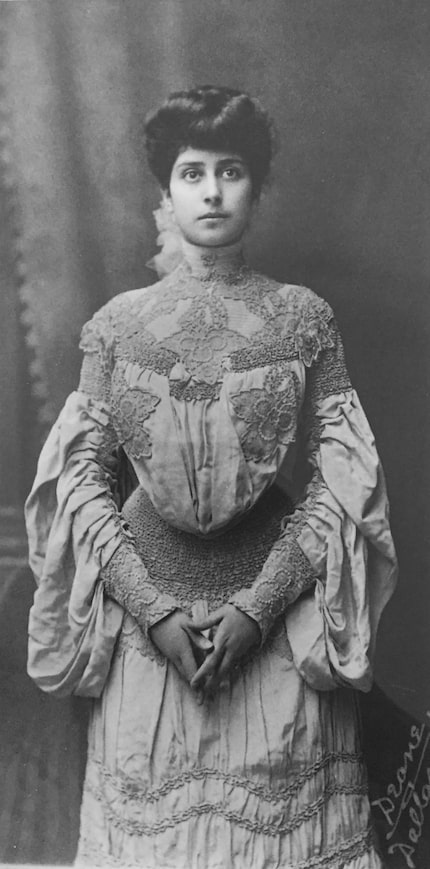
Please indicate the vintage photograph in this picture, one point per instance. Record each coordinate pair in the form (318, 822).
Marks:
(214, 386)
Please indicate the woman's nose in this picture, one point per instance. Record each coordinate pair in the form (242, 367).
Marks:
(212, 190)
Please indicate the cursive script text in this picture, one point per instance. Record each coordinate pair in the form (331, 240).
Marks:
(403, 795)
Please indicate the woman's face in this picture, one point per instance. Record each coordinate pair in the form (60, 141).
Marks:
(211, 196)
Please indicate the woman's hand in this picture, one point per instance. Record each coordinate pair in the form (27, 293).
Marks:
(234, 635)
(180, 641)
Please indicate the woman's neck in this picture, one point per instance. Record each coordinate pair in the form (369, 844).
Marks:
(203, 261)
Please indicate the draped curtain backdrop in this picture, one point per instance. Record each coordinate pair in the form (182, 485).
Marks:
(347, 212)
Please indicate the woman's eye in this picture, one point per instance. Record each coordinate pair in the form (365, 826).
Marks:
(191, 175)
(232, 172)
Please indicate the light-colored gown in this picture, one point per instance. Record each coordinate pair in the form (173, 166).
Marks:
(214, 382)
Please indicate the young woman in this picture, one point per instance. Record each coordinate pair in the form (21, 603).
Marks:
(221, 629)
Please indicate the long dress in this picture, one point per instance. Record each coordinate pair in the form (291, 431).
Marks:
(219, 389)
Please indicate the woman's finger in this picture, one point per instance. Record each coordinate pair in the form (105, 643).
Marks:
(187, 662)
(223, 671)
(198, 640)
(209, 666)
(226, 666)
(211, 620)
(212, 682)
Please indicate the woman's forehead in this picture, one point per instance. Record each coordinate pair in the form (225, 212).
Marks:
(206, 157)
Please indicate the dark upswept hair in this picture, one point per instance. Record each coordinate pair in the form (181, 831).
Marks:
(213, 119)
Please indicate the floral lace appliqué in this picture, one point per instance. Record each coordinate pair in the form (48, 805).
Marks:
(202, 353)
(312, 334)
(131, 407)
(205, 339)
(268, 415)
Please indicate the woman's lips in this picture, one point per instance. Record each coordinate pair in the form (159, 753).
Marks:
(213, 216)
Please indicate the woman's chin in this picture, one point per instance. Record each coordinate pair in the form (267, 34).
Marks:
(213, 238)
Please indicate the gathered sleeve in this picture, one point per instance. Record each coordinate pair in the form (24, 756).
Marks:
(334, 567)
(81, 551)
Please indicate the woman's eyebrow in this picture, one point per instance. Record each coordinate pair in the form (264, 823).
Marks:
(226, 161)
(198, 164)
(192, 163)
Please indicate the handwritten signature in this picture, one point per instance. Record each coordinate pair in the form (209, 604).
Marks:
(403, 795)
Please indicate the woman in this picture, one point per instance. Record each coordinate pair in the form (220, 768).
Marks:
(221, 630)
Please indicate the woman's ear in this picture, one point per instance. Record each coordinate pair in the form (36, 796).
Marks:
(165, 214)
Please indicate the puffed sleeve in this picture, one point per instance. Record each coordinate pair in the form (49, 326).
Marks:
(81, 552)
(334, 567)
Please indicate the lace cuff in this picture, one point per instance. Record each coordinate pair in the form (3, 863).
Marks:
(274, 592)
(126, 581)
(286, 574)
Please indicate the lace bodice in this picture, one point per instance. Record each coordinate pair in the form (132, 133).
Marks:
(213, 355)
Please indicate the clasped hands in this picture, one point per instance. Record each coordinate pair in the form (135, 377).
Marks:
(204, 663)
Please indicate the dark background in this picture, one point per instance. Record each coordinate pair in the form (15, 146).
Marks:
(347, 213)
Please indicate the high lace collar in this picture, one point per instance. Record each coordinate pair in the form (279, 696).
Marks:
(208, 263)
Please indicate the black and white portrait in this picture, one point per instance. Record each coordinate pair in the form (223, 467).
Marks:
(214, 325)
